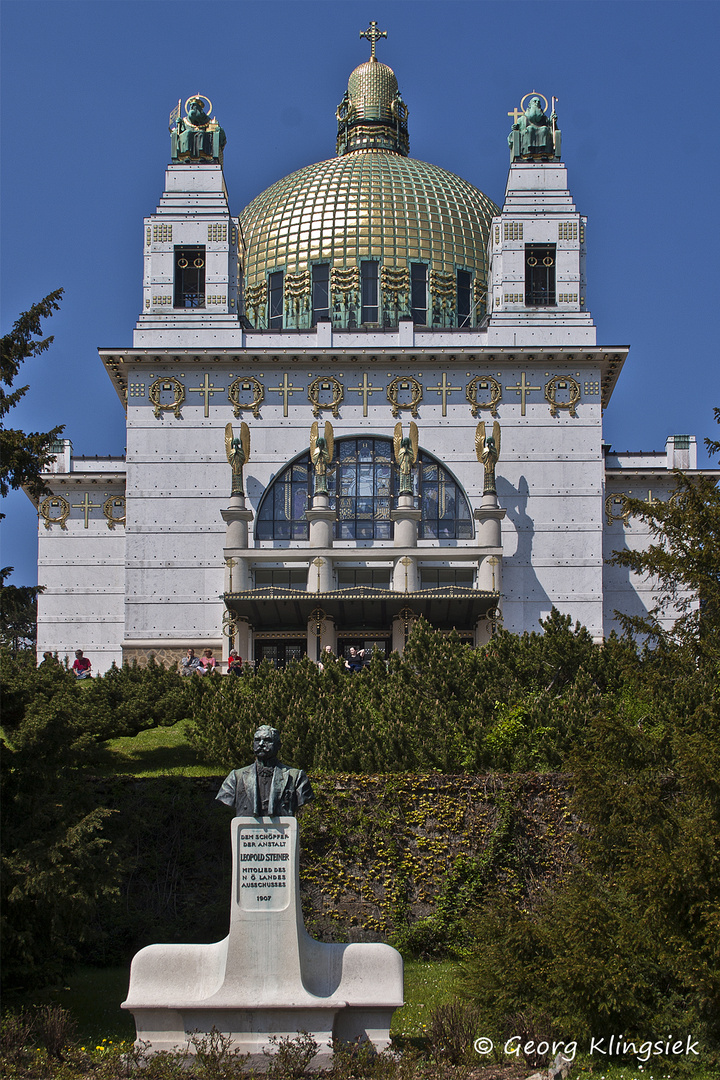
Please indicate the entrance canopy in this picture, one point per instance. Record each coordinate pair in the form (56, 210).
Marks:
(363, 607)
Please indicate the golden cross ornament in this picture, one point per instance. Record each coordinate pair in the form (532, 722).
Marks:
(373, 34)
(286, 389)
(365, 389)
(208, 390)
(86, 506)
(522, 388)
(443, 389)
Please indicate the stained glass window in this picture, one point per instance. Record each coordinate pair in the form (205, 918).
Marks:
(363, 482)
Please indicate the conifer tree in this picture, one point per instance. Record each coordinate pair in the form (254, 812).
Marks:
(23, 456)
(684, 560)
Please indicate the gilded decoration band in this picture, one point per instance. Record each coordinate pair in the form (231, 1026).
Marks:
(326, 392)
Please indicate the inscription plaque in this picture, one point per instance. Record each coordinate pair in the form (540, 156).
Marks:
(264, 863)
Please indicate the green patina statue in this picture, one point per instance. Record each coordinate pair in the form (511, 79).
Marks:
(267, 787)
(321, 455)
(487, 448)
(406, 454)
(535, 136)
(238, 453)
(196, 137)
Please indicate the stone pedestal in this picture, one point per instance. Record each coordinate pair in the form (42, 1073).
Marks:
(321, 519)
(268, 976)
(236, 518)
(406, 519)
(488, 517)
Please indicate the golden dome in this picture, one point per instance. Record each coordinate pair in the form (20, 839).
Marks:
(370, 205)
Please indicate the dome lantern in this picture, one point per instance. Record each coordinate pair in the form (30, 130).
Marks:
(372, 113)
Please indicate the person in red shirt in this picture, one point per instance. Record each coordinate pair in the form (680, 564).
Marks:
(82, 665)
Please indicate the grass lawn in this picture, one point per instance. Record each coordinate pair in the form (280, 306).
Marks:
(161, 751)
(427, 984)
(93, 996)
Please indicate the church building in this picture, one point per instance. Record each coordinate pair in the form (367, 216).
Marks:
(373, 395)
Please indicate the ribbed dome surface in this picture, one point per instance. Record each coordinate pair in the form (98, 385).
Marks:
(367, 205)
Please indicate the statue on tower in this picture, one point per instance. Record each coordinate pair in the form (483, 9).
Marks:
(238, 452)
(196, 137)
(534, 135)
(321, 454)
(406, 453)
(487, 448)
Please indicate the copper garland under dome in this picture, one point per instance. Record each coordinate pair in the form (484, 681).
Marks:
(370, 236)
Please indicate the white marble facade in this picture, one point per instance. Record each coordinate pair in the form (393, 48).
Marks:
(155, 583)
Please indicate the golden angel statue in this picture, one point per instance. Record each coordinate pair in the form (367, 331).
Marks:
(487, 448)
(406, 453)
(238, 452)
(321, 454)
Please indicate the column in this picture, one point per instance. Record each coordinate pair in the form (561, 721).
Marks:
(321, 518)
(405, 534)
(237, 567)
(236, 518)
(489, 538)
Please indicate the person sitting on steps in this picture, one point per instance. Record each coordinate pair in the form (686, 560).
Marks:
(82, 665)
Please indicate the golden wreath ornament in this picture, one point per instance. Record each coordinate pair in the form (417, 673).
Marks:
(55, 502)
(330, 383)
(406, 382)
(114, 503)
(250, 385)
(170, 386)
(562, 382)
(483, 382)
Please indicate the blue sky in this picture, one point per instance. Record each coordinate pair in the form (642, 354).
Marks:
(87, 88)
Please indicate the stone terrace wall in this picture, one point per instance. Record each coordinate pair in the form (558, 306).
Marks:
(381, 856)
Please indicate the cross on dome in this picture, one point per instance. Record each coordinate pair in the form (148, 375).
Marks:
(373, 34)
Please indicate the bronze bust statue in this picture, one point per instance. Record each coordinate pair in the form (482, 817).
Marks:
(267, 787)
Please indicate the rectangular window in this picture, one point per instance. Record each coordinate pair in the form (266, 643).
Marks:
(351, 578)
(282, 578)
(464, 280)
(275, 301)
(320, 292)
(431, 578)
(369, 289)
(540, 275)
(189, 277)
(418, 293)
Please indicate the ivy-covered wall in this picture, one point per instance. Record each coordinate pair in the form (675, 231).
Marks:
(399, 857)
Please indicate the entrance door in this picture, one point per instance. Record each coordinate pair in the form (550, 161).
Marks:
(279, 652)
(359, 641)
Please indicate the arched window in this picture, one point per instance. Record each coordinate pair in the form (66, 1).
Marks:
(363, 482)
